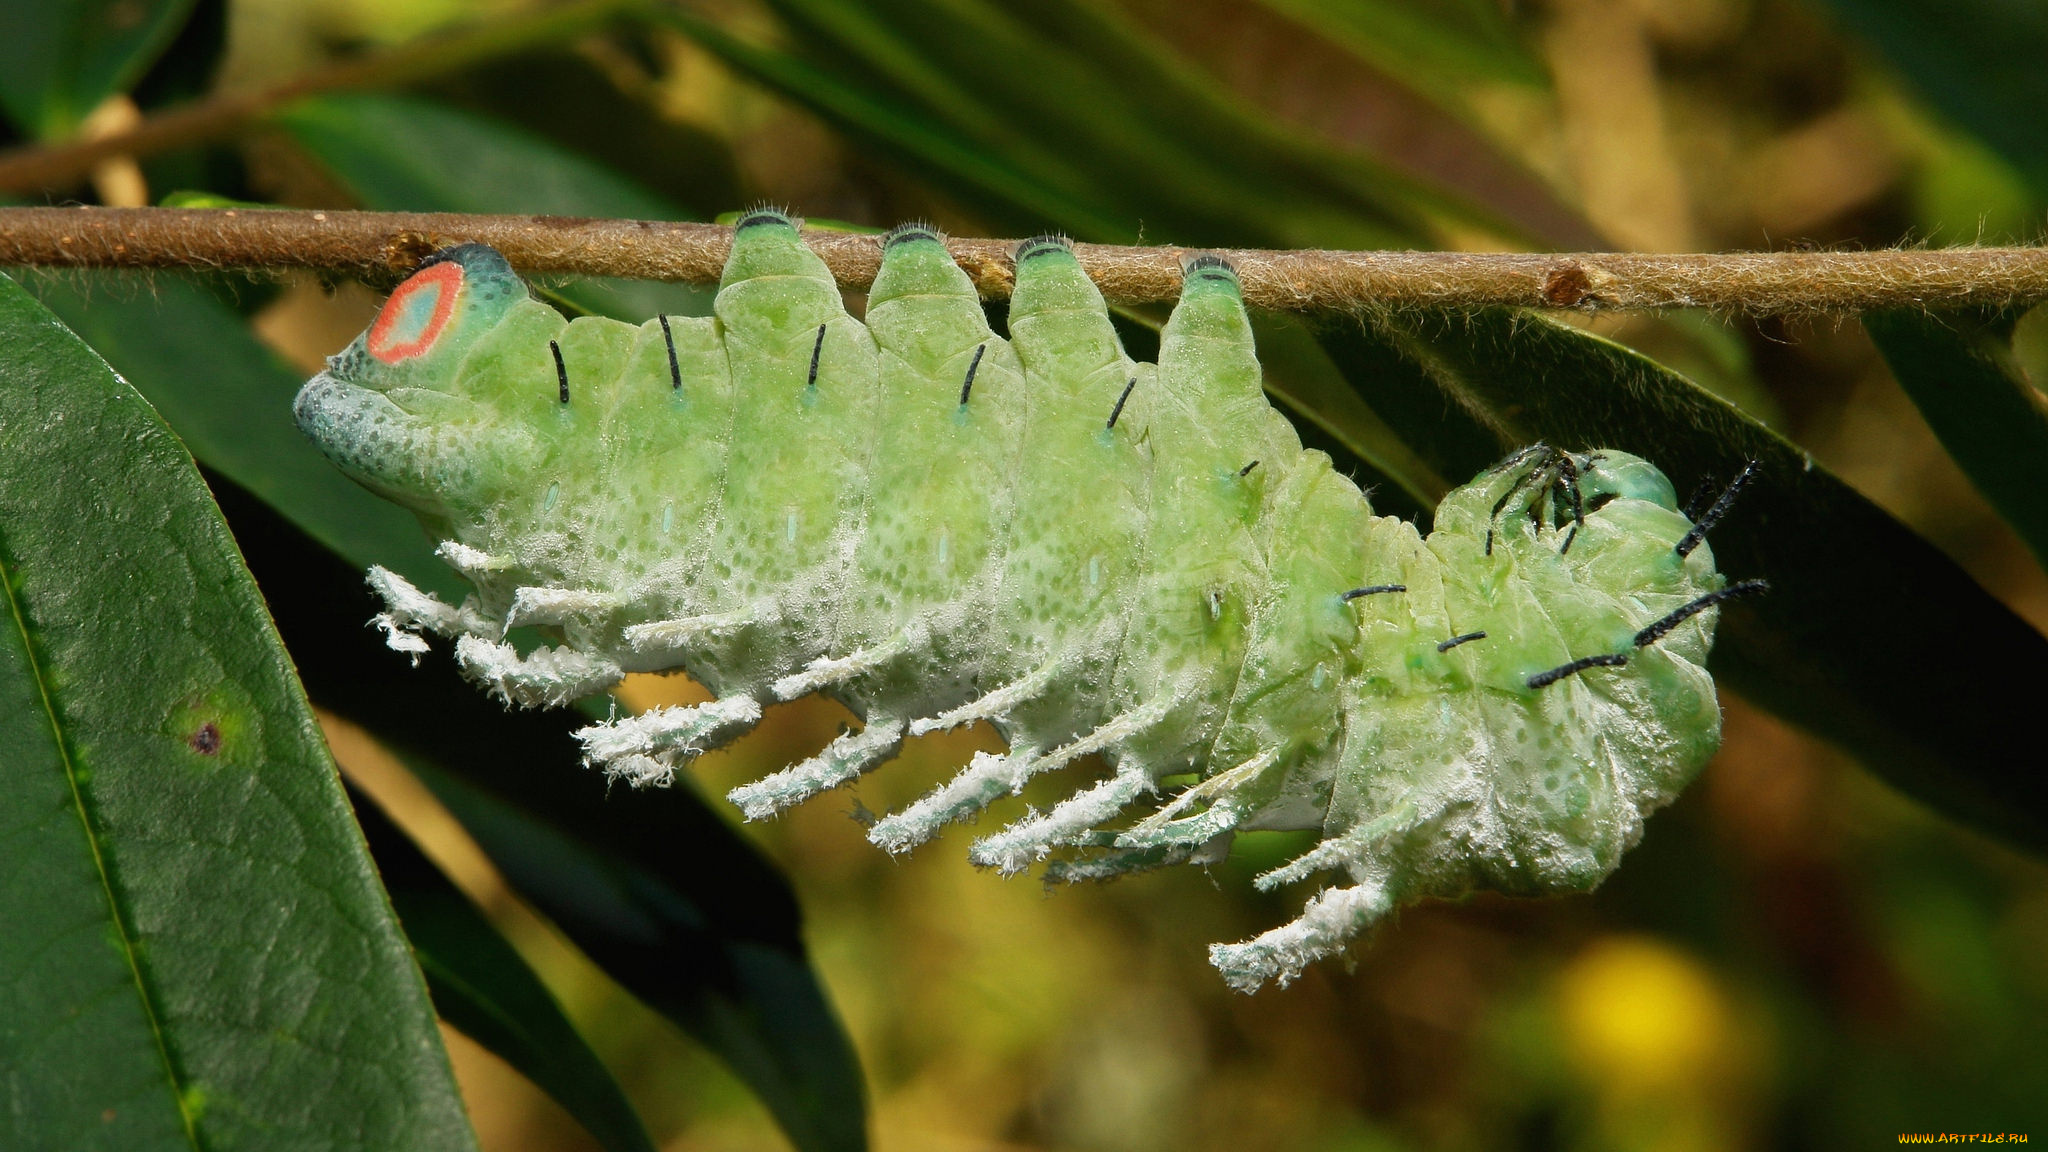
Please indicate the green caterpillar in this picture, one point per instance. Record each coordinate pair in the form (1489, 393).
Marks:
(938, 525)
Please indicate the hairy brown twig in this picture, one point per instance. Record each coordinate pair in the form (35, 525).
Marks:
(383, 244)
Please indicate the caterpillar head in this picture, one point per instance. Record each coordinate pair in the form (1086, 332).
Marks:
(418, 408)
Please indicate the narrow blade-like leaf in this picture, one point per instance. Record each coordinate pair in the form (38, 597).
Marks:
(230, 400)
(197, 950)
(483, 987)
(1993, 423)
(651, 884)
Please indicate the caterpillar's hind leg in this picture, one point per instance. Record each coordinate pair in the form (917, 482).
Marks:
(1323, 928)
(1020, 845)
(1166, 828)
(995, 703)
(648, 748)
(544, 678)
(831, 671)
(985, 779)
(844, 759)
(1347, 849)
(409, 611)
(988, 777)
(1110, 865)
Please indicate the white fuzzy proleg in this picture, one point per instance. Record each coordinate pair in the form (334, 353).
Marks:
(545, 678)
(1323, 928)
(844, 759)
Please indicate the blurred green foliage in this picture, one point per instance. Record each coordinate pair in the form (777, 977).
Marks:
(1795, 957)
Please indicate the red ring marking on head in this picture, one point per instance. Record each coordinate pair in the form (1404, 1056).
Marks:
(398, 333)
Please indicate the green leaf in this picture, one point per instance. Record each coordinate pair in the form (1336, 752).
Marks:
(397, 153)
(483, 987)
(1869, 635)
(197, 950)
(996, 184)
(1960, 373)
(579, 100)
(1442, 46)
(60, 58)
(402, 153)
(1976, 61)
(609, 875)
(1057, 113)
(230, 399)
(651, 884)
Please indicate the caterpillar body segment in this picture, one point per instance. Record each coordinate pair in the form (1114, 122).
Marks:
(936, 525)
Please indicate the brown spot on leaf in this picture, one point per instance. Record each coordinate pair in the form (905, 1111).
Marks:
(206, 741)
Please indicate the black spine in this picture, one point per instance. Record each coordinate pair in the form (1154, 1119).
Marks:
(1545, 679)
(973, 366)
(1119, 409)
(1662, 628)
(1706, 523)
(675, 370)
(1372, 590)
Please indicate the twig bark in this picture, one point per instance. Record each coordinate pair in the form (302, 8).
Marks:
(382, 245)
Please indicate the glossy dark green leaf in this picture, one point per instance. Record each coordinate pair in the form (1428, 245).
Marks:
(1869, 635)
(398, 153)
(404, 153)
(483, 987)
(197, 951)
(613, 875)
(60, 58)
(230, 400)
(998, 185)
(651, 884)
(1960, 373)
(1976, 61)
(578, 100)
(1052, 113)
(1438, 45)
